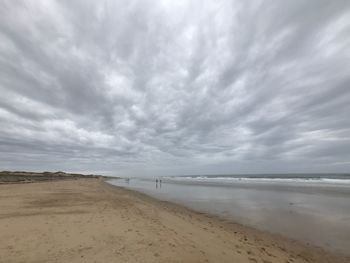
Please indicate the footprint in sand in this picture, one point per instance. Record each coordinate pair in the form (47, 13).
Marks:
(270, 255)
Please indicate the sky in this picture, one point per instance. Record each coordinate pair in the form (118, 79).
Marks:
(175, 87)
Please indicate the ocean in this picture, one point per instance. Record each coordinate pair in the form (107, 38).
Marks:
(312, 208)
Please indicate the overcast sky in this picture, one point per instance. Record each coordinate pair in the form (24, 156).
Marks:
(175, 87)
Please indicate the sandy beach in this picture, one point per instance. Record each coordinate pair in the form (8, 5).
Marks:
(87, 220)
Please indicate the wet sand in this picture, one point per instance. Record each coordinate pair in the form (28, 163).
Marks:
(87, 220)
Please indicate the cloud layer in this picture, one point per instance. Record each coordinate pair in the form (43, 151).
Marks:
(175, 87)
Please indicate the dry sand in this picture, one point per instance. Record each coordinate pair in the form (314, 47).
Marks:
(87, 220)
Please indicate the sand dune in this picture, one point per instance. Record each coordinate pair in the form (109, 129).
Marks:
(87, 220)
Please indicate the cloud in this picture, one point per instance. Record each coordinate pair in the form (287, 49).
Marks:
(164, 87)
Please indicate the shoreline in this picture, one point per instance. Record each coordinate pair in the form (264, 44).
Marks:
(90, 220)
(310, 215)
(229, 222)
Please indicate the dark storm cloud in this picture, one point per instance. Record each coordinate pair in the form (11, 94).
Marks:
(145, 87)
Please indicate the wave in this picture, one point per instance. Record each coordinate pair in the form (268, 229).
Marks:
(260, 179)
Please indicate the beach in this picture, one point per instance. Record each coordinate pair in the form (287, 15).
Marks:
(88, 220)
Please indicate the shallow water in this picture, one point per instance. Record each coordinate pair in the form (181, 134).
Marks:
(314, 212)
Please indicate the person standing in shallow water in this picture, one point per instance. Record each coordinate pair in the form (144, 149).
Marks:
(156, 183)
